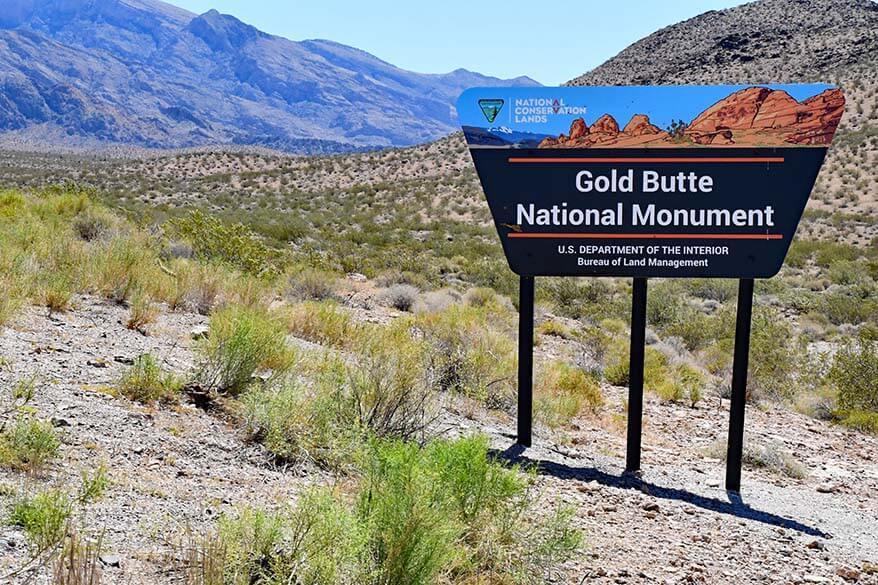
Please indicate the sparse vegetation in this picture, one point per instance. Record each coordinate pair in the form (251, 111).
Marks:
(28, 443)
(148, 382)
(43, 517)
(242, 340)
(419, 515)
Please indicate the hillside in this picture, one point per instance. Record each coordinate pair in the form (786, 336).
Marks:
(778, 41)
(85, 74)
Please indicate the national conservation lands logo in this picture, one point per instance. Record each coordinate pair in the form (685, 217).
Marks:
(490, 108)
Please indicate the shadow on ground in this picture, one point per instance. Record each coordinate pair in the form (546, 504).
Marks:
(735, 506)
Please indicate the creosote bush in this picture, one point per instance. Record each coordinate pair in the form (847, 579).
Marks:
(148, 382)
(242, 340)
(43, 517)
(441, 513)
(854, 376)
(563, 392)
(28, 443)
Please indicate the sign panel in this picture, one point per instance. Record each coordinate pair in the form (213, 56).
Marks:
(671, 181)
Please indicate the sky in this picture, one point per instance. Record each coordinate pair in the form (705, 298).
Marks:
(551, 41)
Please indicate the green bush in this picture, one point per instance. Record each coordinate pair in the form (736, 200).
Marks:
(442, 513)
(683, 384)
(854, 374)
(148, 383)
(325, 323)
(28, 444)
(470, 352)
(235, 244)
(241, 341)
(43, 517)
(563, 392)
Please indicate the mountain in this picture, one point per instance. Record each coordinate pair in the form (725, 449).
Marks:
(778, 41)
(144, 73)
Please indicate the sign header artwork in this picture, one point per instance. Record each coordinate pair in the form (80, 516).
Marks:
(683, 181)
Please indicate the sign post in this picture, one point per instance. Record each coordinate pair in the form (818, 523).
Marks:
(697, 181)
(635, 374)
(739, 385)
(525, 359)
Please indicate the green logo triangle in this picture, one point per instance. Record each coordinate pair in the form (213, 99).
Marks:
(490, 108)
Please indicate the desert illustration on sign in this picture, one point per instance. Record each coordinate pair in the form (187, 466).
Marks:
(755, 116)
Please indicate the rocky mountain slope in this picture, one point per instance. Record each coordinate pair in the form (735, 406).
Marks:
(141, 72)
(778, 41)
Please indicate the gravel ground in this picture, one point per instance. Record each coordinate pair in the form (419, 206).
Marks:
(174, 468)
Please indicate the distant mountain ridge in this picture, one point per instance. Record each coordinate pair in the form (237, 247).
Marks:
(148, 74)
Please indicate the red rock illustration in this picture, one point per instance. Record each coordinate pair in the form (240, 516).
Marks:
(640, 125)
(756, 116)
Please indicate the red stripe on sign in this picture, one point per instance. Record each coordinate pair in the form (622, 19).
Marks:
(579, 236)
(635, 159)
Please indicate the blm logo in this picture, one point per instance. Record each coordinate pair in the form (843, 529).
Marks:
(490, 108)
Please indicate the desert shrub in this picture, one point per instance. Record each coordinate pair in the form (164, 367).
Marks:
(325, 323)
(234, 244)
(383, 390)
(142, 312)
(616, 369)
(148, 382)
(298, 423)
(93, 224)
(861, 420)
(849, 272)
(716, 289)
(563, 392)
(696, 329)
(480, 297)
(684, 383)
(312, 284)
(854, 374)
(43, 517)
(414, 531)
(121, 266)
(421, 502)
(775, 354)
(468, 354)
(399, 296)
(440, 513)
(57, 292)
(242, 340)
(576, 297)
(11, 299)
(28, 443)
(554, 328)
(389, 389)
(844, 307)
(93, 484)
(666, 303)
(195, 287)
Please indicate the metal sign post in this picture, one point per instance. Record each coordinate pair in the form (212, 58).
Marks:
(739, 385)
(525, 359)
(635, 375)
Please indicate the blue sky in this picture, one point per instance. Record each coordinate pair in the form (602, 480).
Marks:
(551, 41)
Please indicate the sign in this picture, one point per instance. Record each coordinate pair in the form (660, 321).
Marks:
(673, 181)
